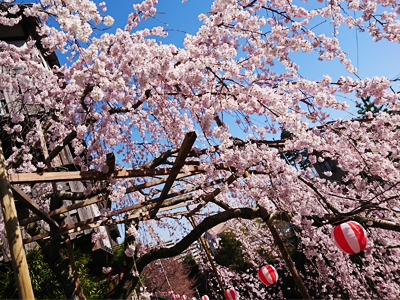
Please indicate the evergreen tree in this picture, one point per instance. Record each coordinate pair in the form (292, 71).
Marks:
(368, 105)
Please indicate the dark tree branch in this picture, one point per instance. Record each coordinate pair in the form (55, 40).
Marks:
(128, 282)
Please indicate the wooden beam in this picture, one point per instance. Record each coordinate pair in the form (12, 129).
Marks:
(187, 144)
(96, 199)
(14, 236)
(64, 209)
(132, 207)
(90, 175)
(58, 149)
(96, 222)
(54, 226)
(19, 178)
(157, 182)
(45, 152)
(29, 203)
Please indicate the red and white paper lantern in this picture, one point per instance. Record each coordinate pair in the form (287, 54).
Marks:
(193, 298)
(268, 275)
(184, 297)
(350, 237)
(231, 294)
(205, 297)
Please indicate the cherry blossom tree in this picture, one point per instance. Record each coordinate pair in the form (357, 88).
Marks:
(166, 275)
(235, 84)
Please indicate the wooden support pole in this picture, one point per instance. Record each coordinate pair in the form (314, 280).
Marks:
(17, 251)
(288, 260)
(187, 144)
(78, 293)
(205, 247)
(29, 203)
(156, 182)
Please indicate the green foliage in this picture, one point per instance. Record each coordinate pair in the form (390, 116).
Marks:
(230, 253)
(190, 260)
(93, 287)
(118, 261)
(369, 105)
(44, 283)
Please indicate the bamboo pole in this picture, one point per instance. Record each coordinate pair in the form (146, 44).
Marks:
(288, 260)
(17, 251)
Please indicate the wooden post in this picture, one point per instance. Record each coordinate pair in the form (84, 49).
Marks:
(288, 260)
(78, 288)
(78, 291)
(17, 251)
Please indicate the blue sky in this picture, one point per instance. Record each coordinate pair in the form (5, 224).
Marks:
(183, 17)
(371, 58)
(365, 54)
(179, 16)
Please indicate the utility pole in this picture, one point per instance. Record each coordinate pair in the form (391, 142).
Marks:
(205, 247)
(288, 260)
(14, 237)
(165, 274)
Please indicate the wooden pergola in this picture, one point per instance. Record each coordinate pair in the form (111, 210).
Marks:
(9, 190)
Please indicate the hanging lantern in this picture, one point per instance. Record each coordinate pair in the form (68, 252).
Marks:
(350, 237)
(193, 298)
(230, 294)
(205, 297)
(268, 275)
(178, 296)
(184, 297)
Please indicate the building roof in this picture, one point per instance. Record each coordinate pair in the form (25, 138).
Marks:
(27, 28)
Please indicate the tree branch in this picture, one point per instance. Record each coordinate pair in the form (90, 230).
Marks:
(128, 282)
